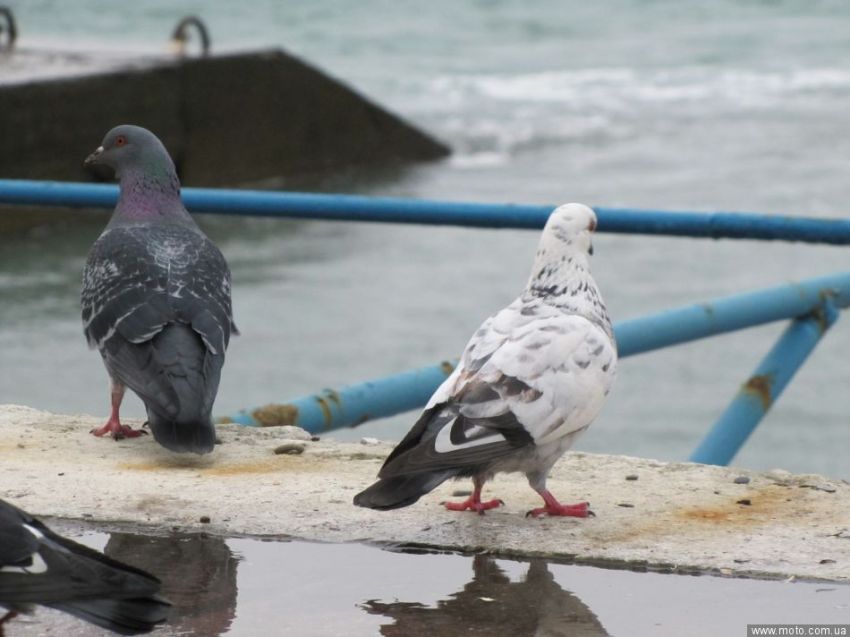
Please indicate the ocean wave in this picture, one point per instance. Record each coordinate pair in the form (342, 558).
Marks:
(618, 85)
(491, 117)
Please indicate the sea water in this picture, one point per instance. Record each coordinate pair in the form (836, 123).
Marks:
(705, 106)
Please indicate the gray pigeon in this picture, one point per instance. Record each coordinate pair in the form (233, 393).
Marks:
(37, 566)
(156, 298)
(531, 379)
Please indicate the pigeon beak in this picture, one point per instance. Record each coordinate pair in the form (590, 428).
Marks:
(93, 158)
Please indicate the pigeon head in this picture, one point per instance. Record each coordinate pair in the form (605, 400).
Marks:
(568, 232)
(150, 189)
(560, 275)
(133, 149)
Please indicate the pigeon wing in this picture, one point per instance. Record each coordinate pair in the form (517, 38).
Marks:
(528, 376)
(51, 570)
(137, 280)
(17, 545)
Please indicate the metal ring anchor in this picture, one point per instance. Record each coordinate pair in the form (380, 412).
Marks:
(8, 29)
(180, 35)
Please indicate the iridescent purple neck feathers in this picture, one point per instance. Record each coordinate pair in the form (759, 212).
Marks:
(149, 195)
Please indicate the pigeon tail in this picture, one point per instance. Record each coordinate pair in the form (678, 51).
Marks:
(182, 436)
(134, 616)
(193, 374)
(400, 491)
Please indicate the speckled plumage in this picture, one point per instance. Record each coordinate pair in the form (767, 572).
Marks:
(532, 378)
(156, 298)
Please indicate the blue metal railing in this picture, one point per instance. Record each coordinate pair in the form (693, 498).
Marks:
(813, 305)
(714, 225)
(815, 301)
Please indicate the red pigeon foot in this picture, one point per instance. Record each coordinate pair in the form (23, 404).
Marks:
(474, 503)
(10, 615)
(554, 508)
(114, 428)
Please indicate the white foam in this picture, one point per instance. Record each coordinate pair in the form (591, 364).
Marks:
(614, 85)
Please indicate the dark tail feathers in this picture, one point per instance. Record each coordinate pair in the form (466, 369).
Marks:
(182, 437)
(124, 616)
(399, 491)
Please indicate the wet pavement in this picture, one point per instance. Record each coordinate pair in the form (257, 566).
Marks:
(247, 587)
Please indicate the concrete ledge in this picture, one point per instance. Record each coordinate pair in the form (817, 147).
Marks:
(672, 517)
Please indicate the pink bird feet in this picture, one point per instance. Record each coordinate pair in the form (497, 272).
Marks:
(553, 508)
(117, 431)
(10, 615)
(473, 503)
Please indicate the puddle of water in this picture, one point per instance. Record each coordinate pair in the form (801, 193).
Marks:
(247, 587)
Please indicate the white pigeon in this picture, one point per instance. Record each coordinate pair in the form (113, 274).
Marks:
(531, 379)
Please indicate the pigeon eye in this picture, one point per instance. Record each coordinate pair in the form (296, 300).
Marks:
(120, 140)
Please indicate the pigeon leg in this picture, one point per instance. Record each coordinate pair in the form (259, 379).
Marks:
(552, 507)
(473, 502)
(113, 426)
(10, 615)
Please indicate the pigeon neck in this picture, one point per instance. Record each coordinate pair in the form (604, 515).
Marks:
(565, 283)
(147, 196)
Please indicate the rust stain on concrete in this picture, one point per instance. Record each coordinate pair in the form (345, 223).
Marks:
(765, 504)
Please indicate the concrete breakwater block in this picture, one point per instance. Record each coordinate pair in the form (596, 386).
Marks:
(226, 119)
(672, 517)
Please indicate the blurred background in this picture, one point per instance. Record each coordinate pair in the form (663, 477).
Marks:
(705, 106)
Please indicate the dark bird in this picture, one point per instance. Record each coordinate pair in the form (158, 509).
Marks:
(531, 379)
(156, 298)
(37, 566)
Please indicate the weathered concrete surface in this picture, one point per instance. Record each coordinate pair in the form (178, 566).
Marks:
(682, 517)
(227, 119)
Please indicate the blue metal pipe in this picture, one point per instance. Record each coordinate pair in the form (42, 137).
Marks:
(763, 388)
(353, 405)
(714, 225)
(730, 313)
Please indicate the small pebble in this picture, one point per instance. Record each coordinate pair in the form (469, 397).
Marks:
(827, 561)
(740, 561)
(205, 519)
(824, 486)
(290, 448)
(61, 474)
(741, 480)
(745, 502)
(626, 505)
(631, 477)
(314, 439)
(461, 493)
(369, 441)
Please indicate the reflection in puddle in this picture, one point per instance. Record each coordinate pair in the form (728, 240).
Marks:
(198, 574)
(493, 605)
(353, 590)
